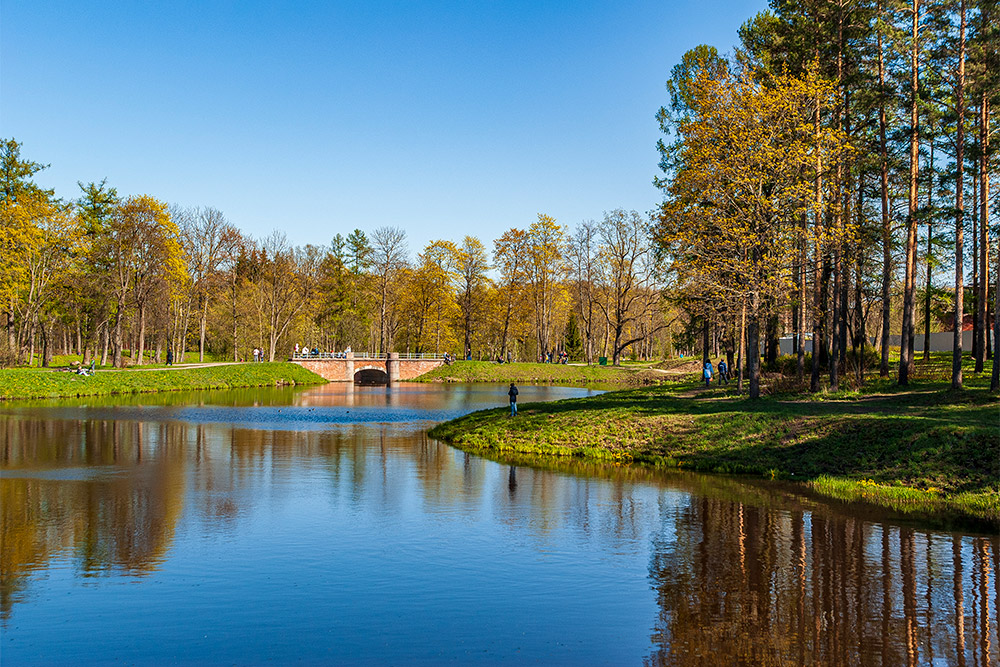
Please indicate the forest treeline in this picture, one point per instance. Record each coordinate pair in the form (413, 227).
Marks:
(828, 182)
(125, 279)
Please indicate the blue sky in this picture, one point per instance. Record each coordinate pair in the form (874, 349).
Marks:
(443, 118)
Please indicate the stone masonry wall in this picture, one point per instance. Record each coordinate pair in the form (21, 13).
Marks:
(335, 370)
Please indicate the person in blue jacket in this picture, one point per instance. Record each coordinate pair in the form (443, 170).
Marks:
(512, 393)
(707, 373)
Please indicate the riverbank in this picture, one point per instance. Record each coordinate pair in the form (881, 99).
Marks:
(30, 383)
(925, 450)
(532, 373)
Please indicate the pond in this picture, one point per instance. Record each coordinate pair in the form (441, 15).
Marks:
(323, 526)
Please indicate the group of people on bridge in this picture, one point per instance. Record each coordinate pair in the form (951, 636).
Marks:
(304, 352)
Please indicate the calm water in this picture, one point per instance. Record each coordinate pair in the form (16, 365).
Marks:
(323, 526)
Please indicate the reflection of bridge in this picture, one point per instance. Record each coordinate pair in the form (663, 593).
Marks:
(379, 368)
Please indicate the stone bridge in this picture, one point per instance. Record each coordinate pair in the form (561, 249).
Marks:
(379, 369)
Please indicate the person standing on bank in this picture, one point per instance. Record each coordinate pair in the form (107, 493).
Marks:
(170, 357)
(512, 392)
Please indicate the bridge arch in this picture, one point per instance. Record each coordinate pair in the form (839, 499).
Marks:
(371, 375)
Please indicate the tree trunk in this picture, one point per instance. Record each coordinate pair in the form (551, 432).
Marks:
(995, 377)
(837, 324)
(800, 319)
(117, 343)
(46, 345)
(984, 237)
(956, 361)
(31, 347)
(201, 328)
(105, 339)
(883, 368)
(906, 337)
(839, 298)
(824, 311)
(753, 347)
(704, 344)
(976, 330)
(930, 252)
(817, 298)
(773, 344)
(182, 338)
(741, 356)
(235, 293)
(142, 334)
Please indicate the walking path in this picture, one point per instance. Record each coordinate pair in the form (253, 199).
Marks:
(133, 369)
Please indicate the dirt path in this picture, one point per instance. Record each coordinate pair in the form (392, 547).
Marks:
(176, 367)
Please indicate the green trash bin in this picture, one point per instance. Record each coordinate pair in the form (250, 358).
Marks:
(602, 361)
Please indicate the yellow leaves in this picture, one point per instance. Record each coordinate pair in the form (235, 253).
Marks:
(747, 174)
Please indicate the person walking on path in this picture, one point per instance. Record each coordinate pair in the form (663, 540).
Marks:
(707, 373)
(723, 372)
(170, 357)
(512, 392)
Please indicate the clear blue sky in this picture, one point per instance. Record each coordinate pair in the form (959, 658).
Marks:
(443, 118)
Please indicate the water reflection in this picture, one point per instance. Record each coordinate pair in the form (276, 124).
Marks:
(744, 584)
(636, 565)
(109, 493)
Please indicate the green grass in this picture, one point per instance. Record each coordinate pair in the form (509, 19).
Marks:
(30, 383)
(926, 449)
(520, 372)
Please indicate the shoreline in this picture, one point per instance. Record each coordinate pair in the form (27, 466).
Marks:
(523, 372)
(925, 452)
(26, 384)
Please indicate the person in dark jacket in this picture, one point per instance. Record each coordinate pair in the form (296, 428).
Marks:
(512, 392)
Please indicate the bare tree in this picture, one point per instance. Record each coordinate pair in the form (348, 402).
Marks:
(628, 275)
(209, 240)
(472, 265)
(583, 261)
(545, 270)
(285, 286)
(389, 259)
(510, 254)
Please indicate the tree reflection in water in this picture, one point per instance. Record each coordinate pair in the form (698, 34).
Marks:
(744, 584)
(110, 502)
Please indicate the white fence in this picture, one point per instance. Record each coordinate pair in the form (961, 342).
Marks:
(940, 342)
(367, 355)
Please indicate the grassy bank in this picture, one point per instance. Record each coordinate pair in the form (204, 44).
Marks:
(488, 371)
(27, 383)
(925, 450)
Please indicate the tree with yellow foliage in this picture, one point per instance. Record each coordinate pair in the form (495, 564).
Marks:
(22, 205)
(428, 301)
(545, 270)
(745, 174)
(510, 253)
(143, 248)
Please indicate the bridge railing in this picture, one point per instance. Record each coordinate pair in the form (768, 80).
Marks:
(366, 355)
(419, 355)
